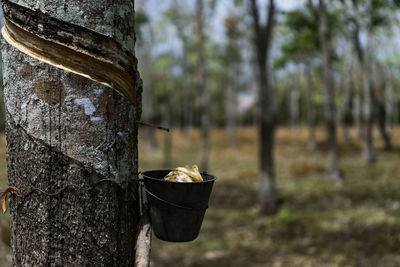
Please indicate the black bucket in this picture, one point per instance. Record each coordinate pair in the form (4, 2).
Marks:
(176, 209)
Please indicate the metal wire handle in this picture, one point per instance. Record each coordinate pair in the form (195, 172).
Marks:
(175, 205)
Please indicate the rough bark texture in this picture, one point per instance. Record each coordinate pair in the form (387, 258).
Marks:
(65, 129)
(262, 43)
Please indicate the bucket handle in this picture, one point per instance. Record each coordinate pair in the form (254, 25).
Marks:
(173, 204)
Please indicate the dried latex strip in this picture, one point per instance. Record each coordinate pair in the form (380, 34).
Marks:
(70, 47)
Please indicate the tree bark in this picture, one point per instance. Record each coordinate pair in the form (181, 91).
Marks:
(329, 98)
(262, 43)
(62, 130)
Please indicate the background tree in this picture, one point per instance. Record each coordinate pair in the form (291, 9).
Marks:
(233, 56)
(263, 35)
(202, 86)
(364, 17)
(325, 34)
(301, 47)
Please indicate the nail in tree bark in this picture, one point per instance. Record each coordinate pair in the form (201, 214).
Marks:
(65, 129)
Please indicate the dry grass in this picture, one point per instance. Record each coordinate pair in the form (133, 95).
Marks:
(320, 224)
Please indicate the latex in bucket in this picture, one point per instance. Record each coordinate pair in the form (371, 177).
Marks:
(176, 209)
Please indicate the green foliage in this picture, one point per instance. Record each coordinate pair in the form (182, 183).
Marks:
(284, 217)
(301, 42)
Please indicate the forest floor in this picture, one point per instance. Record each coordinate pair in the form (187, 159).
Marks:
(355, 223)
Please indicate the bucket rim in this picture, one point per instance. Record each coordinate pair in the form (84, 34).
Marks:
(213, 177)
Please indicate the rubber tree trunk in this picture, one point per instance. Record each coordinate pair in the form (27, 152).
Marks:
(310, 109)
(346, 107)
(167, 147)
(202, 85)
(329, 101)
(294, 110)
(186, 94)
(64, 129)
(381, 118)
(368, 104)
(357, 114)
(148, 99)
(262, 42)
(379, 83)
(390, 103)
(231, 113)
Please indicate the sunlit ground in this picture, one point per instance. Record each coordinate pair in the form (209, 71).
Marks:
(320, 223)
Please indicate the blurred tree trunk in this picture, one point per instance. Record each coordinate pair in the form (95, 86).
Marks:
(202, 86)
(380, 82)
(310, 109)
(294, 109)
(368, 95)
(348, 96)
(64, 129)
(148, 99)
(382, 119)
(167, 149)
(231, 110)
(186, 96)
(233, 72)
(262, 42)
(368, 151)
(329, 95)
(357, 114)
(390, 101)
